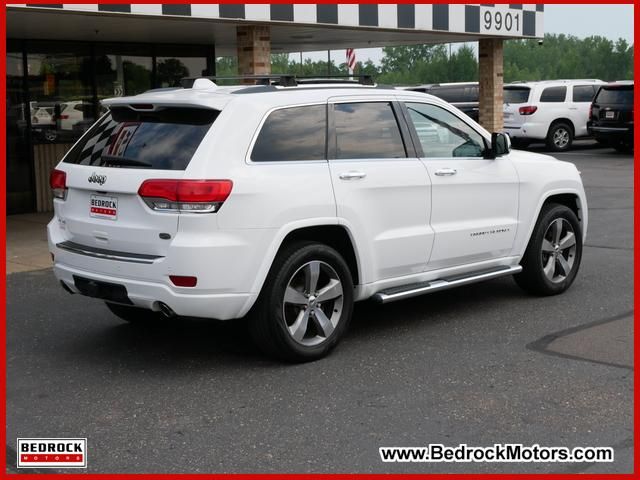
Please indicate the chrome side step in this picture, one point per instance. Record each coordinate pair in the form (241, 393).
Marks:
(408, 291)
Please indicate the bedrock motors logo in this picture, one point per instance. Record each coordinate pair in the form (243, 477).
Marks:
(52, 453)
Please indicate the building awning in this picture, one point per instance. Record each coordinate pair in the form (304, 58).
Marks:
(294, 27)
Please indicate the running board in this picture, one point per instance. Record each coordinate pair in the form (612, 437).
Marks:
(408, 291)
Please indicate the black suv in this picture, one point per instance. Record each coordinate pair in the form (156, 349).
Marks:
(461, 95)
(611, 116)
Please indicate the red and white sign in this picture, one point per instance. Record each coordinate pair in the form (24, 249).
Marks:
(52, 453)
(102, 206)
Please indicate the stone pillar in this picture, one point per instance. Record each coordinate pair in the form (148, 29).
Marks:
(254, 49)
(491, 73)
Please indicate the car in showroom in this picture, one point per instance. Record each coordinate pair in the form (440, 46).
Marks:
(553, 111)
(611, 115)
(462, 95)
(288, 202)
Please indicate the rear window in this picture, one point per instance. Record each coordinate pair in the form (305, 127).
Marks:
(164, 140)
(516, 94)
(615, 95)
(289, 134)
(553, 94)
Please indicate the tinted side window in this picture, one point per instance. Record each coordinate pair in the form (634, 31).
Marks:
(367, 130)
(554, 94)
(444, 135)
(296, 133)
(583, 93)
(449, 94)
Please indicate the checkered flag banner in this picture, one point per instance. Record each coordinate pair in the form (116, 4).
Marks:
(92, 150)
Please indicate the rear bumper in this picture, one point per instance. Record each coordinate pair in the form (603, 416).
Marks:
(147, 294)
(611, 132)
(224, 262)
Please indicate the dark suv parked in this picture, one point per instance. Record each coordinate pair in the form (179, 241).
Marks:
(611, 116)
(461, 95)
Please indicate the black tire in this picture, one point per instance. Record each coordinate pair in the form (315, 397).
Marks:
(135, 315)
(270, 316)
(560, 137)
(533, 278)
(603, 141)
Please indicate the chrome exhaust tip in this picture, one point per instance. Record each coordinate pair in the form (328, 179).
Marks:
(166, 310)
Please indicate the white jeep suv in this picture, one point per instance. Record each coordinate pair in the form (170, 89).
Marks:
(287, 204)
(553, 111)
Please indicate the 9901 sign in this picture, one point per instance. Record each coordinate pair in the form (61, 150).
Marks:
(497, 21)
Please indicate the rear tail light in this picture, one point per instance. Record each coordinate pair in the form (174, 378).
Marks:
(58, 184)
(591, 111)
(528, 110)
(197, 196)
(183, 281)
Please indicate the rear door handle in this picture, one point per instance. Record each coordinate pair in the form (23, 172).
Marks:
(353, 175)
(446, 172)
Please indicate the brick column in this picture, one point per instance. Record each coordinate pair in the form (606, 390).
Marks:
(254, 49)
(491, 73)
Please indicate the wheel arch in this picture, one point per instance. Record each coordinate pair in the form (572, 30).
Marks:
(562, 120)
(326, 231)
(570, 198)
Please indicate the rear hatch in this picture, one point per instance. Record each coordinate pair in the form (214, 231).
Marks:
(613, 105)
(515, 97)
(106, 168)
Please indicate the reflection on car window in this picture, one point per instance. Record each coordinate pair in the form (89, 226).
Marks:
(296, 133)
(444, 135)
(367, 130)
(165, 139)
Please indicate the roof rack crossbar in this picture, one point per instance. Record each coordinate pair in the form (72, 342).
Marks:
(285, 80)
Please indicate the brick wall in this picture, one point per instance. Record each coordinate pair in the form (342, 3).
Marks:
(254, 50)
(491, 73)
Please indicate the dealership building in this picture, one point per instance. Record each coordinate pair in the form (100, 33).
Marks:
(62, 59)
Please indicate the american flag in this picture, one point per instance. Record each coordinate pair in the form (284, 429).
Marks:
(351, 59)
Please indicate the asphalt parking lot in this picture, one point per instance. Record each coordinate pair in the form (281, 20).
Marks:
(479, 365)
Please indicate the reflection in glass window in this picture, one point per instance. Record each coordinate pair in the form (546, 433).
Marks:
(296, 133)
(169, 70)
(367, 130)
(165, 139)
(442, 134)
(61, 106)
(121, 75)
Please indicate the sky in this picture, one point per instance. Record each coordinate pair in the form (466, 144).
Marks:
(581, 20)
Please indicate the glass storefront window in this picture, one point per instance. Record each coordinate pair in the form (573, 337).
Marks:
(169, 70)
(60, 92)
(123, 71)
(56, 98)
(19, 194)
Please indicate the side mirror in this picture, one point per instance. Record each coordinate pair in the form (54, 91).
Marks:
(500, 145)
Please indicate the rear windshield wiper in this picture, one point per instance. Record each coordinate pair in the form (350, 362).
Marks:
(123, 162)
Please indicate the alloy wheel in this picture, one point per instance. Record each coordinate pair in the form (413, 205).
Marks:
(312, 304)
(558, 250)
(561, 137)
